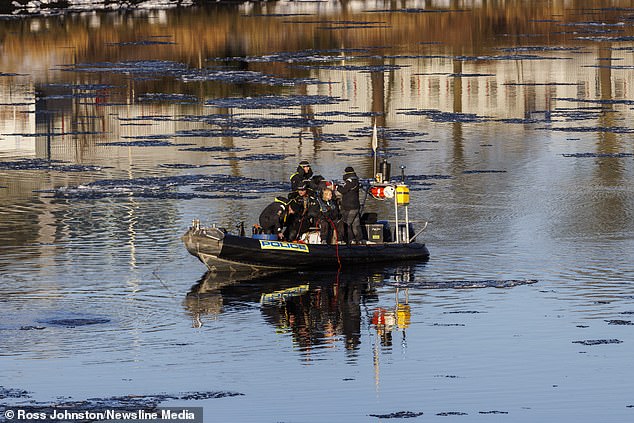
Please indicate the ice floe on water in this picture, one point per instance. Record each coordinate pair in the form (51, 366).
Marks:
(132, 403)
(170, 187)
(441, 116)
(167, 68)
(56, 7)
(301, 56)
(598, 155)
(272, 101)
(467, 284)
(43, 164)
(591, 342)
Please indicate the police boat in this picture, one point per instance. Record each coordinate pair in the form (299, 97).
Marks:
(222, 251)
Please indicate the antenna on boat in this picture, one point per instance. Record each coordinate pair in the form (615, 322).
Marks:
(375, 144)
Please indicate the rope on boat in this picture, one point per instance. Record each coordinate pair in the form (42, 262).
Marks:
(334, 228)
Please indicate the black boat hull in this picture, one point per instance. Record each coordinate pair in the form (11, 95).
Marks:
(226, 252)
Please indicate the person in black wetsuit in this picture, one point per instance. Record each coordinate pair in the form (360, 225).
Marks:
(303, 174)
(328, 218)
(274, 216)
(304, 205)
(350, 205)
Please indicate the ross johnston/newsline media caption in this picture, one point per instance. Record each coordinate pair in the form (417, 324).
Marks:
(157, 415)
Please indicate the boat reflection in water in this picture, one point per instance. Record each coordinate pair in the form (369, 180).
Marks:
(316, 309)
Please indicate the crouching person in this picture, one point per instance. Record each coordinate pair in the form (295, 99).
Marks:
(273, 217)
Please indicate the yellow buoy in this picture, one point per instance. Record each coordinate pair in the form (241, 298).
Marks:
(402, 195)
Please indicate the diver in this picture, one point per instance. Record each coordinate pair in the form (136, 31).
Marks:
(328, 218)
(350, 206)
(274, 216)
(301, 175)
(304, 205)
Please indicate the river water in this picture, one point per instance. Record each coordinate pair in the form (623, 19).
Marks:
(513, 122)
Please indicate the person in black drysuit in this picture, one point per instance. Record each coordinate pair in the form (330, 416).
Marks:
(303, 204)
(328, 217)
(301, 175)
(350, 205)
(274, 216)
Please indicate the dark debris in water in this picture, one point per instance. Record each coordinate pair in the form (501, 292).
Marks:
(253, 123)
(29, 327)
(538, 48)
(493, 412)
(140, 43)
(418, 178)
(71, 323)
(258, 157)
(354, 68)
(177, 98)
(598, 341)
(331, 138)
(215, 149)
(440, 116)
(468, 284)
(605, 129)
(220, 133)
(244, 77)
(620, 322)
(451, 413)
(462, 312)
(164, 68)
(398, 415)
(81, 87)
(507, 57)
(471, 172)
(132, 403)
(302, 56)
(272, 101)
(13, 393)
(599, 155)
(448, 324)
(415, 10)
(596, 101)
(392, 134)
(188, 165)
(42, 164)
(139, 143)
(167, 187)
(52, 134)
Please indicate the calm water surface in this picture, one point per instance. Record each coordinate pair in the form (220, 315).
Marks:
(514, 124)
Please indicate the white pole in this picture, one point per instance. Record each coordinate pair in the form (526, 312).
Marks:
(375, 143)
(396, 216)
(406, 225)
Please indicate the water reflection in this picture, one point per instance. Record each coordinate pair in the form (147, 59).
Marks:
(316, 309)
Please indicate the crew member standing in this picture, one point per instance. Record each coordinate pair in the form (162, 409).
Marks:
(350, 205)
(301, 175)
